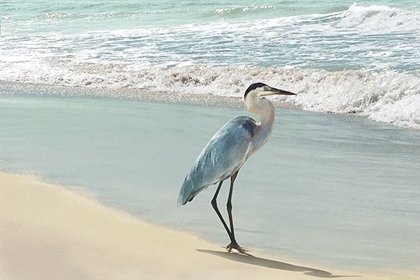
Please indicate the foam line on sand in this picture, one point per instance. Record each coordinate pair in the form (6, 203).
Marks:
(50, 232)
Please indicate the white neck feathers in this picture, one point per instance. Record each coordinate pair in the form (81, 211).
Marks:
(265, 110)
(261, 107)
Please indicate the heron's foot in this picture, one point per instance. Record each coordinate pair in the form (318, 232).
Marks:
(235, 245)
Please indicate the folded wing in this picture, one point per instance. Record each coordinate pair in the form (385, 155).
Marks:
(226, 152)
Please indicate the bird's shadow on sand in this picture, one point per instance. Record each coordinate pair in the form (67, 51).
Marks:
(273, 264)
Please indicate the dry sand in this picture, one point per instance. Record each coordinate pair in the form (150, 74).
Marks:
(49, 232)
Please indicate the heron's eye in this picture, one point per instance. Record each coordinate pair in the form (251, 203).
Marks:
(266, 88)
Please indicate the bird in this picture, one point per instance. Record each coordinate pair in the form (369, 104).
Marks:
(227, 151)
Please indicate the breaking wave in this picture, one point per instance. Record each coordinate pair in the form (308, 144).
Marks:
(385, 96)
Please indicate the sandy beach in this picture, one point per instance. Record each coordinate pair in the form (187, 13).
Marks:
(49, 232)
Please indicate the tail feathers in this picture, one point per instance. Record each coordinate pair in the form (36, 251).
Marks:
(188, 191)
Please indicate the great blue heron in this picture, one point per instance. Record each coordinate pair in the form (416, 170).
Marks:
(228, 150)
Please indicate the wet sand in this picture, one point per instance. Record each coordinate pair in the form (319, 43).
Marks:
(49, 232)
(143, 95)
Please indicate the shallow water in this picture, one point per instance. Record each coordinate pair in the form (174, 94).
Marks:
(327, 189)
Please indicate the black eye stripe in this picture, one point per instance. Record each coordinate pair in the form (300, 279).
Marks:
(254, 86)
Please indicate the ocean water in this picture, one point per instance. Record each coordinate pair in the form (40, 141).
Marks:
(339, 56)
(327, 190)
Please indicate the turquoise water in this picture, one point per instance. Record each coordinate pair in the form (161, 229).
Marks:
(340, 56)
(331, 190)
(305, 34)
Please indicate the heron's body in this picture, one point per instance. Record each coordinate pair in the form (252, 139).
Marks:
(228, 150)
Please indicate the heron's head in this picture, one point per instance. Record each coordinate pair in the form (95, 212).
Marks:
(261, 89)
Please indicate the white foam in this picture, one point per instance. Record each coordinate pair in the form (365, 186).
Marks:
(379, 18)
(244, 9)
(385, 96)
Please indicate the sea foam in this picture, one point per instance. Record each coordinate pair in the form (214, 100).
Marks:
(384, 96)
(379, 18)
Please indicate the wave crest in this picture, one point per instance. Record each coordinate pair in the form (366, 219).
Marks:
(377, 17)
(386, 96)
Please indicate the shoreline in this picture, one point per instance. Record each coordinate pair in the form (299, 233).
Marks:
(150, 95)
(133, 94)
(51, 232)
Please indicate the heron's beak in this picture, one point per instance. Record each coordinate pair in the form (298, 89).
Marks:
(276, 91)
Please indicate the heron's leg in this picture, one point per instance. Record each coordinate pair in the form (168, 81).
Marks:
(229, 205)
(233, 244)
(214, 204)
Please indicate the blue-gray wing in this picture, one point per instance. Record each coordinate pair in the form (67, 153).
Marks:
(226, 152)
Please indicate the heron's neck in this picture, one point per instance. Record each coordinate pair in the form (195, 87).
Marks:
(265, 110)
